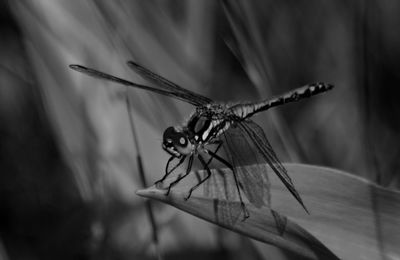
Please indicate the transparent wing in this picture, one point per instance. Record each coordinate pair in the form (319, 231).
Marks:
(250, 167)
(166, 92)
(242, 152)
(257, 136)
(166, 84)
(221, 187)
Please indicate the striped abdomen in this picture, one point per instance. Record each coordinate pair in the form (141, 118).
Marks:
(247, 110)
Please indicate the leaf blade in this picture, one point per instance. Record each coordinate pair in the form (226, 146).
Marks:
(355, 218)
(261, 225)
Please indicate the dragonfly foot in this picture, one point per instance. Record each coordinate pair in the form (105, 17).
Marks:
(189, 195)
(172, 184)
(168, 190)
(246, 214)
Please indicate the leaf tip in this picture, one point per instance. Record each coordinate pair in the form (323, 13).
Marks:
(150, 192)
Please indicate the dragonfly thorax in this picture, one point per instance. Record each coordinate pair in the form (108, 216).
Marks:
(204, 127)
(176, 142)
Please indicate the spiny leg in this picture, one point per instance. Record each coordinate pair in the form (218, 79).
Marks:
(222, 160)
(173, 168)
(176, 166)
(219, 142)
(166, 170)
(188, 169)
(203, 162)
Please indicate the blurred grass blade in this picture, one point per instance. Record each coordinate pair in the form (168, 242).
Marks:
(251, 50)
(264, 224)
(351, 216)
(3, 251)
(142, 177)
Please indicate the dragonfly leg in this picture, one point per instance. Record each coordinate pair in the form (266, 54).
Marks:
(166, 170)
(188, 169)
(219, 142)
(203, 180)
(222, 160)
(219, 158)
(173, 168)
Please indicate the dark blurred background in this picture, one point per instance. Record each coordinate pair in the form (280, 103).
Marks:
(67, 155)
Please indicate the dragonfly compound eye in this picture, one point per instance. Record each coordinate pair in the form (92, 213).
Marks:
(174, 137)
(169, 133)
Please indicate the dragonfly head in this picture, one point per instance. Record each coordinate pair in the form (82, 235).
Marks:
(176, 142)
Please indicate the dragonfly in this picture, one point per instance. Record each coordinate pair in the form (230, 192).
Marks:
(216, 125)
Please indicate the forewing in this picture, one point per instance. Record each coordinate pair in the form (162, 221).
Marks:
(257, 135)
(166, 92)
(241, 151)
(168, 85)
